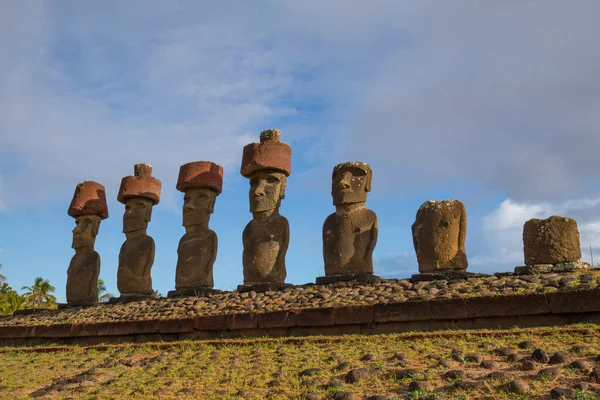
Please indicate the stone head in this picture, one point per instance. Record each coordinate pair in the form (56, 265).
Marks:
(85, 231)
(350, 183)
(138, 211)
(267, 188)
(198, 204)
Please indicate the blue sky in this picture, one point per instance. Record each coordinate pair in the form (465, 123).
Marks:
(492, 103)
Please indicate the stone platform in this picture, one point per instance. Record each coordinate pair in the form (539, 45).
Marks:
(389, 306)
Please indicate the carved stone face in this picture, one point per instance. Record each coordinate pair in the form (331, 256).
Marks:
(137, 214)
(349, 185)
(198, 204)
(266, 190)
(85, 231)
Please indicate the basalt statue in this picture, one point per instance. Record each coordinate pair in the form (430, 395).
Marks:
(267, 164)
(350, 234)
(201, 182)
(439, 234)
(88, 207)
(139, 193)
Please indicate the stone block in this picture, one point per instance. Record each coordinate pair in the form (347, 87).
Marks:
(315, 317)
(277, 319)
(527, 304)
(142, 184)
(420, 310)
(353, 315)
(551, 241)
(574, 301)
(242, 321)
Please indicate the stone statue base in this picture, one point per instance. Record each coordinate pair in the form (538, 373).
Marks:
(263, 287)
(547, 268)
(445, 276)
(128, 298)
(193, 292)
(366, 278)
(62, 306)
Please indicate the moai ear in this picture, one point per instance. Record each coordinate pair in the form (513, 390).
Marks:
(283, 186)
(369, 177)
(96, 228)
(148, 212)
(211, 204)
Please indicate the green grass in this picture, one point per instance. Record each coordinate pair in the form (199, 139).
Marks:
(218, 370)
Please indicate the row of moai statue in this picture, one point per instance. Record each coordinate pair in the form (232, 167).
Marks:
(349, 234)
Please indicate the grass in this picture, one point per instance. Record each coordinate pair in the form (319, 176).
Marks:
(270, 368)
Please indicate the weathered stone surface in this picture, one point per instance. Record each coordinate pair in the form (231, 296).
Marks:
(139, 193)
(350, 234)
(142, 184)
(200, 174)
(269, 154)
(202, 182)
(551, 241)
(439, 234)
(89, 199)
(266, 237)
(88, 207)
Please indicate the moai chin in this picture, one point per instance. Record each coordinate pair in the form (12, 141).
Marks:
(139, 193)
(349, 234)
(551, 241)
(202, 182)
(267, 164)
(88, 207)
(439, 234)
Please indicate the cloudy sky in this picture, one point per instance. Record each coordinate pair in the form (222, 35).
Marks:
(496, 104)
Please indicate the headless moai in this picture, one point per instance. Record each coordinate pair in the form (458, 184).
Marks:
(139, 193)
(267, 164)
(202, 182)
(551, 241)
(350, 234)
(439, 234)
(88, 207)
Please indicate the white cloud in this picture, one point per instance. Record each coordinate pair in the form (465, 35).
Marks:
(503, 228)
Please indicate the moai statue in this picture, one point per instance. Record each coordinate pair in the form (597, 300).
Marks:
(202, 182)
(267, 164)
(551, 245)
(439, 234)
(88, 207)
(139, 193)
(349, 234)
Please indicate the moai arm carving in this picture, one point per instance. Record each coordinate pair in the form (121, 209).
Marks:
(462, 233)
(285, 244)
(413, 228)
(214, 249)
(373, 241)
(149, 258)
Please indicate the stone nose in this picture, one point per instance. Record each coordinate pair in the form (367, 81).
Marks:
(259, 190)
(344, 183)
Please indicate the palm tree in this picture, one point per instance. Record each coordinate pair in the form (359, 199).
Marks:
(103, 295)
(11, 302)
(5, 288)
(40, 292)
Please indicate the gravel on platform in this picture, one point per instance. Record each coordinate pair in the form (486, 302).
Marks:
(311, 296)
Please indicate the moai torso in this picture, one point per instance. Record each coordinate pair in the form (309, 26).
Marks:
(439, 234)
(196, 255)
(82, 278)
(349, 241)
(265, 245)
(135, 263)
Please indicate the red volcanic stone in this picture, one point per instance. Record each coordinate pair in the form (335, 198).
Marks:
(89, 199)
(141, 185)
(200, 174)
(270, 154)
